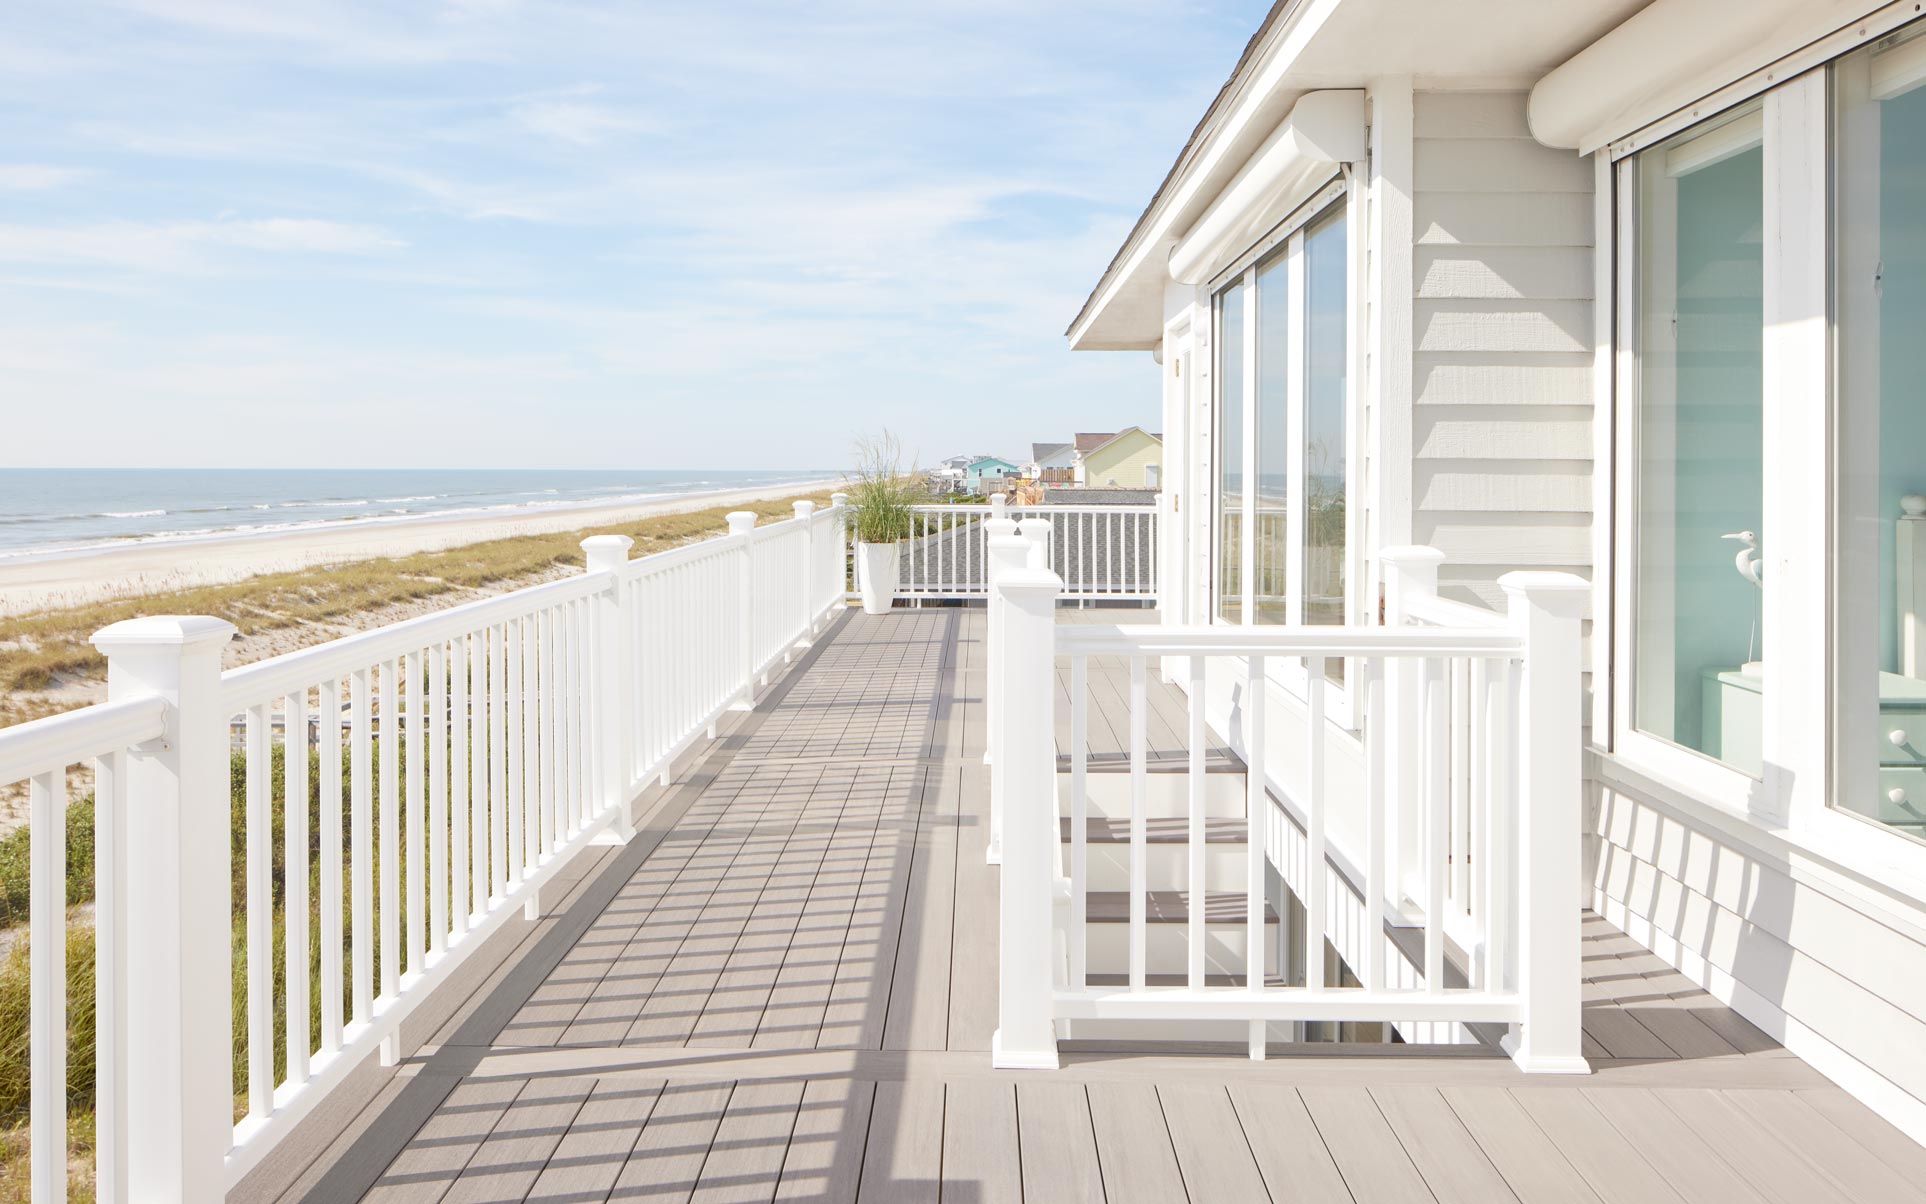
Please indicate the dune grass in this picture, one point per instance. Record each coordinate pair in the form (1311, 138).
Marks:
(44, 649)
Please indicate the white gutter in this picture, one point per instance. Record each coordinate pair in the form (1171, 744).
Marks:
(1669, 55)
(1323, 130)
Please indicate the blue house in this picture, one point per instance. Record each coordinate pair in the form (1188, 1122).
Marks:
(986, 472)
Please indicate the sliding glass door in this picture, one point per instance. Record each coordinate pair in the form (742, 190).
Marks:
(1879, 169)
(1699, 430)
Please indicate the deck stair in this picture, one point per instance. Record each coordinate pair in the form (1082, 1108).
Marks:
(1167, 848)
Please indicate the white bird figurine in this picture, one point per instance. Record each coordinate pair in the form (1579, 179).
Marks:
(1747, 560)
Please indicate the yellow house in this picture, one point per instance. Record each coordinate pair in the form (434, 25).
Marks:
(1130, 459)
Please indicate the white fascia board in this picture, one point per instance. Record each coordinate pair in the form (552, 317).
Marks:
(1325, 129)
(1668, 55)
(1157, 235)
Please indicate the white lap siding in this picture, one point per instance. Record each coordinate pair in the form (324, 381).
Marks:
(1502, 354)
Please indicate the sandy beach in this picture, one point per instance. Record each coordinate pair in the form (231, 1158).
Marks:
(36, 583)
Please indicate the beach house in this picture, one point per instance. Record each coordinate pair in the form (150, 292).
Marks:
(1513, 795)
(1129, 459)
(1620, 290)
(986, 474)
(1051, 463)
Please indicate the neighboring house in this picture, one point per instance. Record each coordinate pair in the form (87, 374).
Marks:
(1130, 459)
(1051, 463)
(1624, 289)
(946, 479)
(988, 473)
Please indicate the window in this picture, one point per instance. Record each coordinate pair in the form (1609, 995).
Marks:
(1698, 460)
(1285, 328)
(1879, 290)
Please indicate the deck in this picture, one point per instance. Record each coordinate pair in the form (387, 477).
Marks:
(784, 989)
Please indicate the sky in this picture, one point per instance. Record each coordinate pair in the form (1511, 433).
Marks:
(483, 233)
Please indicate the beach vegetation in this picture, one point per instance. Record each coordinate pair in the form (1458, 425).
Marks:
(884, 491)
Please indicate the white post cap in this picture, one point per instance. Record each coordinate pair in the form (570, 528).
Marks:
(1561, 593)
(741, 522)
(162, 631)
(803, 508)
(839, 499)
(606, 552)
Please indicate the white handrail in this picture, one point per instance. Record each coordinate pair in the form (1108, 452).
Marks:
(57, 741)
(1100, 551)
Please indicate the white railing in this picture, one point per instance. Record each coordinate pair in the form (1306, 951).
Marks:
(1099, 551)
(1459, 824)
(457, 760)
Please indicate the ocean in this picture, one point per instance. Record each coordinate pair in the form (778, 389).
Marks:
(49, 511)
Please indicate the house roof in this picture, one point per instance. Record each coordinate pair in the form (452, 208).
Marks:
(1043, 451)
(1107, 440)
(1090, 441)
(991, 460)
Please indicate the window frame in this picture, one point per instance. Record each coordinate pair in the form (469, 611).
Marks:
(1286, 239)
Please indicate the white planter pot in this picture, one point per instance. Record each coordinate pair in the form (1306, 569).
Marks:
(878, 567)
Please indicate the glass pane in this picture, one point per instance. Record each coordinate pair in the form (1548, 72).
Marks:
(1230, 453)
(1700, 481)
(1881, 297)
(1273, 437)
(1326, 351)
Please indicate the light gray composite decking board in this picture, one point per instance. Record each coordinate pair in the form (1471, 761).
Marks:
(903, 1159)
(805, 958)
(1058, 1143)
(1285, 1142)
(1133, 1146)
(1442, 1150)
(1212, 1152)
(1364, 1147)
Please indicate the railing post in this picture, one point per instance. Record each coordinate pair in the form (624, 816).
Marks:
(1410, 575)
(806, 587)
(999, 527)
(178, 1042)
(741, 522)
(839, 502)
(1037, 531)
(1026, 1035)
(1546, 611)
(614, 685)
(1007, 552)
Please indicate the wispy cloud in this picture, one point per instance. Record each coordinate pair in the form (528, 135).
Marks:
(32, 177)
(683, 226)
(182, 246)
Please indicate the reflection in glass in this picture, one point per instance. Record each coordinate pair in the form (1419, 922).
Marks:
(1326, 350)
(1272, 552)
(1230, 454)
(1700, 482)
(1880, 171)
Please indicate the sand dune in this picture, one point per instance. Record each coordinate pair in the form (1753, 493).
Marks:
(36, 583)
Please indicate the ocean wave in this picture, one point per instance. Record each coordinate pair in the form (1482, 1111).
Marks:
(131, 513)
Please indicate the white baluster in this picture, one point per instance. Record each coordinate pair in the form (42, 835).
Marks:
(1410, 575)
(612, 690)
(997, 528)
(741, 523)
(806, 618)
